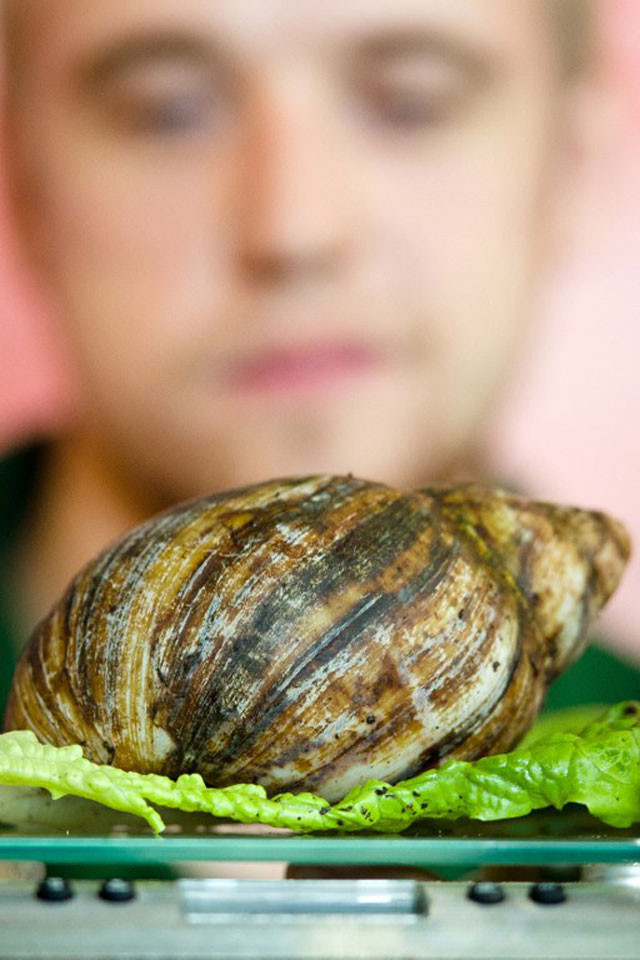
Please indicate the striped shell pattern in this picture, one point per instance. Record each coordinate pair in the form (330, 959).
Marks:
(315, 632)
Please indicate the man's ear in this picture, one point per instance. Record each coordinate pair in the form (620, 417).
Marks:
(587, 121)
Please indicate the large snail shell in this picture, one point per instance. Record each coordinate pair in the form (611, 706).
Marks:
(316, 632)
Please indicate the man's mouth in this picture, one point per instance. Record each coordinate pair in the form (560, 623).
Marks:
(302, 367)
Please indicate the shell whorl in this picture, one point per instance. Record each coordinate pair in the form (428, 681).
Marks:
(315, 632)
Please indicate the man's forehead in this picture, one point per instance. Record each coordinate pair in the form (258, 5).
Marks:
(258, 22)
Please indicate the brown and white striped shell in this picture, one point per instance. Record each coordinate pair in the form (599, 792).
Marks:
(311, 633)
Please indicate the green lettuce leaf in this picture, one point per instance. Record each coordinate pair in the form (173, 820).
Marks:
(598, 767)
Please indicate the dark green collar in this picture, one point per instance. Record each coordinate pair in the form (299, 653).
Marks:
(599, 676)
(18, 475)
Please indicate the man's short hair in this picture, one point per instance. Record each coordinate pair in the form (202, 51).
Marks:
(575, 28)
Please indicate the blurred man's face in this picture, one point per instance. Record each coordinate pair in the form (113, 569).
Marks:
(288, 236)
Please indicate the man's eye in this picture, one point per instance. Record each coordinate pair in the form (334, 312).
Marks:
(410, 108)
(169, 114)
(412, 93)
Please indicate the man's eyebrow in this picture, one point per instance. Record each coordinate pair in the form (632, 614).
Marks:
(106, 64)
(478, 59)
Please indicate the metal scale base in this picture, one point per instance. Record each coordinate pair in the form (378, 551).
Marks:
(323, 919)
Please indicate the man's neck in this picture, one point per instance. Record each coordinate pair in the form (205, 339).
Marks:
(79, 507)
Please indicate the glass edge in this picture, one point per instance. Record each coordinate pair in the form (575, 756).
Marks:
(357, 851)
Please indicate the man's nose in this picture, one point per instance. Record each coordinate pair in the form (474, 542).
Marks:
(295, 213)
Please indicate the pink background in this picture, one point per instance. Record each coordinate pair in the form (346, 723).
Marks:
(569, 427)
